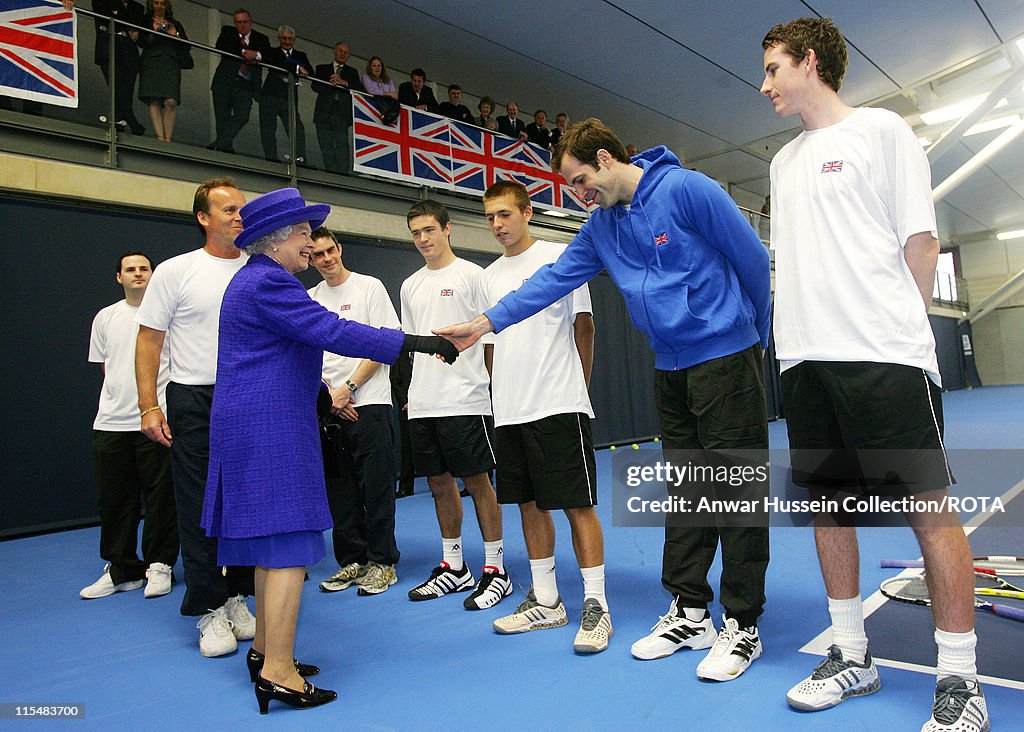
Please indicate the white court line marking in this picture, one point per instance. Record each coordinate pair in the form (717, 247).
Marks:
(819, 645)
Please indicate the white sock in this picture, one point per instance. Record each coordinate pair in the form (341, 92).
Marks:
(593, 584)
(848, 628)
(494, 555)
(452, 552)
(956, 654)
(545, 587)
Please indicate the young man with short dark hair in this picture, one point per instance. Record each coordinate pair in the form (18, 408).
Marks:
(450, 414)
(363, 503)
(853, 227)
(130, 467)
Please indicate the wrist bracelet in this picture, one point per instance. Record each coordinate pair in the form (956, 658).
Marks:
(144, 412)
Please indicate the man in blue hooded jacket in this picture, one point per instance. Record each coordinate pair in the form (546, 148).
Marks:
(696, 281)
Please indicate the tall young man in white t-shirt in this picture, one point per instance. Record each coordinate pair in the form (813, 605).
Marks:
(450, 414)
(540, 370)
(183, 304)
(363, 503)
(128, 465)
(853, 228)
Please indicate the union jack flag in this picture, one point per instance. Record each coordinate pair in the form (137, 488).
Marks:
(833, 166)
(447, 293)
(344, 307)
(38, 58)
(426, 149)
(661, 238)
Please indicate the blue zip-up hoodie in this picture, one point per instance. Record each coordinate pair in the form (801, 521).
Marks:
(695, 277)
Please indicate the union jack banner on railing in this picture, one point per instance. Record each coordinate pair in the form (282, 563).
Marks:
(427, 149)
(38, 60)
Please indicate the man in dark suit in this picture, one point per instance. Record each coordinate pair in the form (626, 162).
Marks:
(332, 114)
(454, 108)
(510, 125)
(537, 131)
(274, 98)
(416, 93)
(235, 83)
(126, 55)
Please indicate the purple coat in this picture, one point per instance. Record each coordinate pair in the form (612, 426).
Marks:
(266, 472)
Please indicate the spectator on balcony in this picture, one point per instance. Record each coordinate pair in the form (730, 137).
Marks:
(510, 125)
(332, 114)
(416, 93)
(537, 131)
(163, 58)
(236, 82)
(126, 55)
(486, 108)
(274, 97)
(376, 80)
(631, 150)
(561, 125)
(454, 108)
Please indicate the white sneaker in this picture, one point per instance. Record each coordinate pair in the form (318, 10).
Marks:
(215, 634)
(160, 577)
(834, 680)
(105, 586)
(243, 624)
(674, 630)
(531, 615)
(732, 653)
(595, 628)
(344, 578)
(959, 707)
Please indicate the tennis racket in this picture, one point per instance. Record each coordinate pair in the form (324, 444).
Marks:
(987, 583)
(1003, 565)
(914, 589)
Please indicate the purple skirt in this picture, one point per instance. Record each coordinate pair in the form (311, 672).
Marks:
(296, 549)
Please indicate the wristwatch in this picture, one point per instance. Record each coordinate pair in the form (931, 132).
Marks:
(351, 386)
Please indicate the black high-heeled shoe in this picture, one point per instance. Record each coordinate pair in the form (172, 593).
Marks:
(310, 696)
(254, 660)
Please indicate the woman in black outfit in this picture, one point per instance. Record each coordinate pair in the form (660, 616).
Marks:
(163, 58)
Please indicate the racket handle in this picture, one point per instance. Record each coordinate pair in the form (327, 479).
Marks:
(1008, 611)
(901, 563)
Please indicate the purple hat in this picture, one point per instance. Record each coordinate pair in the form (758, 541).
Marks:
(275, 210)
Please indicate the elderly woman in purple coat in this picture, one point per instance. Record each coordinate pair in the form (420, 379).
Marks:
(265, 496)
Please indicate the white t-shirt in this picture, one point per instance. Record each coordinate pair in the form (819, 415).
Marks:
(183, 299)
(845, 199)
(433, 298)
(114, 334)
(363, 299)
(536, 370)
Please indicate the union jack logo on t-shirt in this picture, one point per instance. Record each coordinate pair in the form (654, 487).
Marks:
(661, 238)
(345, 307)
(447, 293)
(832, 166)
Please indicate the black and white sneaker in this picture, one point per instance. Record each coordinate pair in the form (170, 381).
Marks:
(732, 654)
(959, 707)
(443, 580)
(493, 587)
(673, 631)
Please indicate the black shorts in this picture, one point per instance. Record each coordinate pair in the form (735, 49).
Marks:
(550, 461)
(462, 445)
(863, 427)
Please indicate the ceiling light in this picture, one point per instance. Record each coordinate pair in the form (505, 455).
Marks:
(1004, 235)
(993, 124)
(955, 111)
